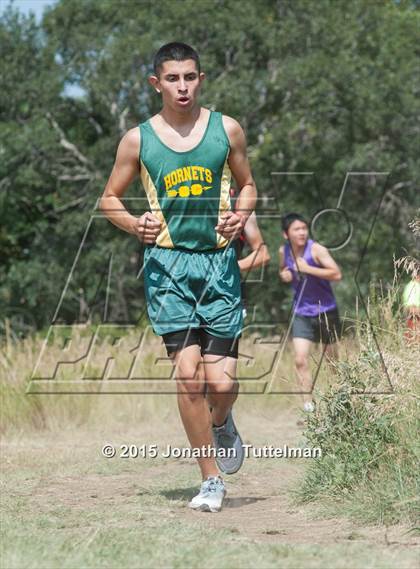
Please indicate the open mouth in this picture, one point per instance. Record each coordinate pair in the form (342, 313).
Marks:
(183, 99)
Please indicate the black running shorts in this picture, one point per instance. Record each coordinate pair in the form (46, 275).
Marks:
(323, 328)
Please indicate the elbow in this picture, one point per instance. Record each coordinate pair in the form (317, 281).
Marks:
(104, 204)
(102, 201)
(338, 276)
(266, 259)
(264, 255)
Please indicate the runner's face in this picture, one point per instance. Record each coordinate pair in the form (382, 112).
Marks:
(298, 233)
(179, 82)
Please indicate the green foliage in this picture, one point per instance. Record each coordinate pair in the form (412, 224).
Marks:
(369, 463)
(327, 87)
(351, 436)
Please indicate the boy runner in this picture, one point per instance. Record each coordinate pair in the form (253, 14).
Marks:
(309, 267)
(186, 154)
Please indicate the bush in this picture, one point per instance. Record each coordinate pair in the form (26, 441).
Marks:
(367, 429)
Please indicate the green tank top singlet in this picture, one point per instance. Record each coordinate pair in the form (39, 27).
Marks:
(187, 191)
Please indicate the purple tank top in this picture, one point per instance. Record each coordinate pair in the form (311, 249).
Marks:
(312, 294)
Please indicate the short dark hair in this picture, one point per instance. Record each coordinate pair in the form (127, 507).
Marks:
(174, 51)
(289, 218)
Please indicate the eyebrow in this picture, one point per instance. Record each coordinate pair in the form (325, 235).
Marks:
(177, 74)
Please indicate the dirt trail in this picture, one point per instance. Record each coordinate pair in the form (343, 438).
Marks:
(70, 473)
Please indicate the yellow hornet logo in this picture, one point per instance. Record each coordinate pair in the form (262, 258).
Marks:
(182, 175)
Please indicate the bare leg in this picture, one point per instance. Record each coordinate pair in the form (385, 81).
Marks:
(193, 406)
(302, 348)
(222, 385)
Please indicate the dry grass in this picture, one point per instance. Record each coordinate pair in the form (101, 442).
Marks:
(74, 398)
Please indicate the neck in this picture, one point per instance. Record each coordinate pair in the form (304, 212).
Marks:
(178, 119)
(297, 249)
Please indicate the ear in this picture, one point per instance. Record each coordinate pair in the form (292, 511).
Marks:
(202, 76)
(155, 83)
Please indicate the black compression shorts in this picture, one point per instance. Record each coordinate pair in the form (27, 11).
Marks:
(176, 341)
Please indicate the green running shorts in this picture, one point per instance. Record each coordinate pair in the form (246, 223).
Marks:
(193, 289)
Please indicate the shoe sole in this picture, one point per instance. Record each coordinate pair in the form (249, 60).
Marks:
(205, 508)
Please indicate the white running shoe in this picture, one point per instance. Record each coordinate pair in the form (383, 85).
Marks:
(211, 496)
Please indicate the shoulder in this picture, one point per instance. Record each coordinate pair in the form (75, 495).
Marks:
(231, 124)
(233, 129)
(131, 137)
(130, 142)
(320, 254)
(318, 249)
(129, 147)
(281, 249)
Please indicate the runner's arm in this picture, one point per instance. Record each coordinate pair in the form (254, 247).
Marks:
(231, 224)
(329, 269)
(240, 168)
(259, 255)
(126, 168)
(284, 273)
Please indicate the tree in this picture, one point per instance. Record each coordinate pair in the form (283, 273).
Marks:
(326, 87)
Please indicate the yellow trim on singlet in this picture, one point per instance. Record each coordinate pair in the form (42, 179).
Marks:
(224, 203)
(164, 238)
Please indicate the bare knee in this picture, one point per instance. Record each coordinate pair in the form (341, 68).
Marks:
(301, 362)
(223, 387)
(190, 382)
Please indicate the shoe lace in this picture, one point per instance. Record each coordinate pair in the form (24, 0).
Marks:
(209, 486)
(225, 439)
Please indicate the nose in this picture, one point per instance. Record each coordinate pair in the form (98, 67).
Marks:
(182, 85)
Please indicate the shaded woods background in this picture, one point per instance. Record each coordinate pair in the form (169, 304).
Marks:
(325, 87)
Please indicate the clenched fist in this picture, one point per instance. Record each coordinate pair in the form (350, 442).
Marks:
(230, 225)
(286, 275)
(147, 228)
(301, 265)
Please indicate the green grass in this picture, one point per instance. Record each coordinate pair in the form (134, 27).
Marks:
(153, 548)
(72, 511)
